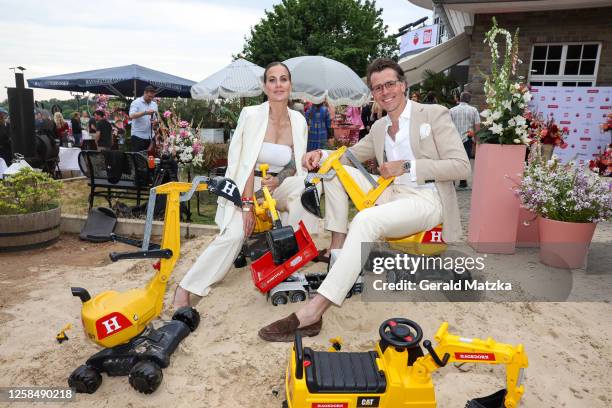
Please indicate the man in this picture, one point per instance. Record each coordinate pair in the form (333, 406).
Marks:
(104, 131)
(419, 145)
(467, 119)
(141, 112)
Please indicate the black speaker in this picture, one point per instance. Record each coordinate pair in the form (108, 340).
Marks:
(21, 107)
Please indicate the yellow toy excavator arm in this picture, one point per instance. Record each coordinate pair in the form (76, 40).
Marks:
(452, 348)
(360, 198)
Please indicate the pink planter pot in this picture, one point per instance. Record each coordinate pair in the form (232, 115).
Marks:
(527, 231)
(494, 211)
(564, 244)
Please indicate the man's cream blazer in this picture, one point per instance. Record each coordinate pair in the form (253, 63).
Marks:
(439, 156)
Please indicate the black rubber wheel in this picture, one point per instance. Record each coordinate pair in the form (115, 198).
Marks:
(240, 261)
(285, 404)
(145, 377)
(189, 316)
(297, 297)
(85, 379)
(279, 299)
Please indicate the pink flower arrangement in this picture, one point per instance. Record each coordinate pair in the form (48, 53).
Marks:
(167, 114)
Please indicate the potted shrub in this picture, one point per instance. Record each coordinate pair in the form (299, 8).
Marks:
(500, 153)
(569, 200)
(29, 210)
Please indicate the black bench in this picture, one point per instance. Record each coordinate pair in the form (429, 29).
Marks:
(114, 174)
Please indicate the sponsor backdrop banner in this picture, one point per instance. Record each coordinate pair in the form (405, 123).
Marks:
(582, 111)
(424, 37)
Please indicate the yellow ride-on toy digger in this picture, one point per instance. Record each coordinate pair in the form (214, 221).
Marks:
(397, 374)
(120, 321)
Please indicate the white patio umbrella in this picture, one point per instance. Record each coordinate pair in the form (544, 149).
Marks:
(239, 79)
(315, 78)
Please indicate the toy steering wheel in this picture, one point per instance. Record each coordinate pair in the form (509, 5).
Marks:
(397, 332)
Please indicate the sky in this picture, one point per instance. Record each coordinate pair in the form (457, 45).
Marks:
(188, 38)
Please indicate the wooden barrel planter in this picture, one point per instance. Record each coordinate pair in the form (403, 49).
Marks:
(26, 231)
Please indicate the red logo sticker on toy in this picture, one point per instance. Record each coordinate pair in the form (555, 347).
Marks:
(329, 405)
(111, 324)
(475, 356)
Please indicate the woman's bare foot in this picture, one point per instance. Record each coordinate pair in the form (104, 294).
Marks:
(181, 298)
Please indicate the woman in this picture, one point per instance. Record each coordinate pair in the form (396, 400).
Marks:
(268, 133)
(60, 128)
(77, 131)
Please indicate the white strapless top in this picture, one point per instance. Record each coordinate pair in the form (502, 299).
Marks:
(276, 155)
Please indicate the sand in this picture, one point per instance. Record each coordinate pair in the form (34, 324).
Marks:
(224, 364)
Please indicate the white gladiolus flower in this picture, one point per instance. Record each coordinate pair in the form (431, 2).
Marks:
(497, 128)
(527, 96)
(507, 104)
(517, 141)
(496, 115)
(485, 113)
(520, 121)
(511, 122)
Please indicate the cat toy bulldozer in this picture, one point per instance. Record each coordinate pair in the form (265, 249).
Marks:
(397, 374)
(121, 322)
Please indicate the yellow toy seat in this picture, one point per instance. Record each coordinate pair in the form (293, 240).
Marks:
(428, 242)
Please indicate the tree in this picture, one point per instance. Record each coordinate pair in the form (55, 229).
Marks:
(349, 31)
(440, 86)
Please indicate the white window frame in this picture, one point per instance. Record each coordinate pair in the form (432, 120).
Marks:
(559, 79)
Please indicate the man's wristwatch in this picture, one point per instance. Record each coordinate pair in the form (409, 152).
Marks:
(406, 166)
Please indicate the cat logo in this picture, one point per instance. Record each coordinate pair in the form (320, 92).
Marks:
(363, 402)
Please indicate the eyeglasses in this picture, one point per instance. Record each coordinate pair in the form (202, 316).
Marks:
(387, 85)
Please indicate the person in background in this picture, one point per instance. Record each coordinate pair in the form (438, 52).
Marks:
(366, 111)
(353, 114)
(104, 131)
(319, 126)
(466, 119)
(88, 129)
(430, 99)
(119, 131)
(415, 97)
(6, 148)
(60, 129)
(77, 130)
(377, 112)
(38, 121)
(141, 113)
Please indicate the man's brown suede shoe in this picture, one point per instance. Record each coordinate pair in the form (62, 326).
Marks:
(283, 330)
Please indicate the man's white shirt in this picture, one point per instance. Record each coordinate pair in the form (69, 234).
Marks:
(400, 149)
